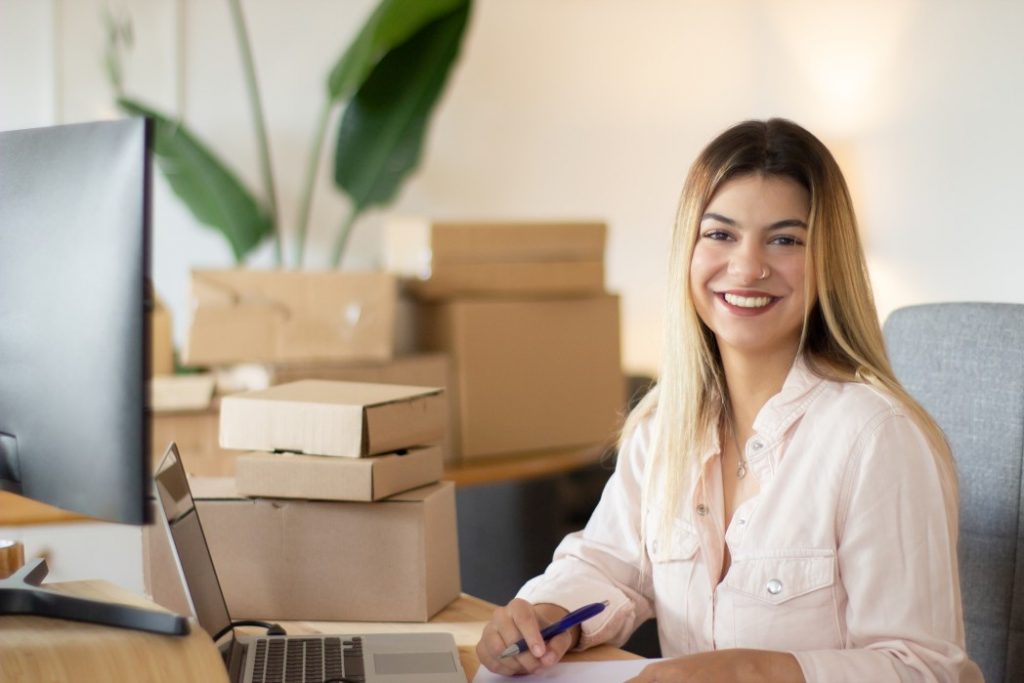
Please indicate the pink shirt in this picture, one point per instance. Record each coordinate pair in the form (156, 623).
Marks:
(846, 557)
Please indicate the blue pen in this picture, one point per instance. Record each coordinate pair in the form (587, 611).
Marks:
(561, 626)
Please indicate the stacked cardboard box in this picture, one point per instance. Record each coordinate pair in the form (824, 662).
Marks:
(338, 514)
(533, 336)
(196, 429)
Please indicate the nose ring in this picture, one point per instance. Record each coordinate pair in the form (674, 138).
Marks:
(764, 273)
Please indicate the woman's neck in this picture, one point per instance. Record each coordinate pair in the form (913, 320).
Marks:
(752, 379)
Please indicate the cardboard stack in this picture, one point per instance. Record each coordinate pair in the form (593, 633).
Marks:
(336, 513)
(533, 336)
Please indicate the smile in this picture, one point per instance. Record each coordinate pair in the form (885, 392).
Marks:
(747, 301)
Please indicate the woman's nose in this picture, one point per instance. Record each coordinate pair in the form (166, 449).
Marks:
(747, 265)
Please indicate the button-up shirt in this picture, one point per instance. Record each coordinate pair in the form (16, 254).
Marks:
(846, 557)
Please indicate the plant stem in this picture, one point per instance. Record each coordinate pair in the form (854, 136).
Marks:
(343, 233)
(249, 69)
(302, 225)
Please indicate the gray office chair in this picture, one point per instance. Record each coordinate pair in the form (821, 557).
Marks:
(965, 364)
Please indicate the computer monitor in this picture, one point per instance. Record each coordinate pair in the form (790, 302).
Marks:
(74, 263)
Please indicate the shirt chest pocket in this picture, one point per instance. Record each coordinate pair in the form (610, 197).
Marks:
(783, 602)
(679, 545)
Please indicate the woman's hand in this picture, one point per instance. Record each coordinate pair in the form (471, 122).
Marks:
(520, 619)
(725, 666)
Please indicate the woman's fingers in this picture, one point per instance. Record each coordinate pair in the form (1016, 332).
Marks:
(503, 631)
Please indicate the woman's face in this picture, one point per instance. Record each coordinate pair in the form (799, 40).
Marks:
(747, 272)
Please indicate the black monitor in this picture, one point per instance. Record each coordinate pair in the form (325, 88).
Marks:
(74, 264)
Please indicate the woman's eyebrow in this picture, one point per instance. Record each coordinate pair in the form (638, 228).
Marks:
(777, 225)
(788, 223)
(718, 217)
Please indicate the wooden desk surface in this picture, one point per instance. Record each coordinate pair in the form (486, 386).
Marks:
(524, 466)
(34, 649)
(464, 619)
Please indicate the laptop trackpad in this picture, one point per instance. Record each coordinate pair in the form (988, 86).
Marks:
(414, 663)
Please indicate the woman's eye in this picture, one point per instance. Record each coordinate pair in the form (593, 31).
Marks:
(716, 235)
(785, 240)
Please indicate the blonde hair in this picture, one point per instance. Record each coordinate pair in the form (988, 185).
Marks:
(841, 338)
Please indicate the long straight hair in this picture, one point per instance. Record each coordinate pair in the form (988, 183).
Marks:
(841, 338)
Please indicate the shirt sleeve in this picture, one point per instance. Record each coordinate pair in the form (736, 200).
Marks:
(897, 530)
(604, 560)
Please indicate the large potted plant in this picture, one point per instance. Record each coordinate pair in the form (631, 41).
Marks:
(387, 81)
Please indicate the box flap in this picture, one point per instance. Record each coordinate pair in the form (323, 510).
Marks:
(357, 394)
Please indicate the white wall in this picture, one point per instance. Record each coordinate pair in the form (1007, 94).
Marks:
(594, 108)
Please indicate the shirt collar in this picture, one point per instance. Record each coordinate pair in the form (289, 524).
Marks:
(784, 408)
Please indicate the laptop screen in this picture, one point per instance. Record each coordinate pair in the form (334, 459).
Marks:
(202, 587)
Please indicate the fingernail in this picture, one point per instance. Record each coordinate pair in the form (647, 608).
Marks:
(537, 650)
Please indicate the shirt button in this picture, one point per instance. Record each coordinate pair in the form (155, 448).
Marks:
(741, 521)
(702, 509)
(774, 586)
(757, 444)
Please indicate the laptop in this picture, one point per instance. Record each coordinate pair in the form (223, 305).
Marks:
(356, 658)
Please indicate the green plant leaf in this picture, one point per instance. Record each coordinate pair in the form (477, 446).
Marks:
(214, 195)
(391, 24)
(381, 134)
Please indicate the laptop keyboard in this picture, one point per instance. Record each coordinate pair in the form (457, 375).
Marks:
(307, 660)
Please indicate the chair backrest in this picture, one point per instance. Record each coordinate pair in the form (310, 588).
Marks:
(965, 363)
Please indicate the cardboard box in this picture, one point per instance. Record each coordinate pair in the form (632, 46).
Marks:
(530, 375)
(282, 316)
(348, 419)
(315, 477)
(195, 432)
(447, 259)
(394, 560)
(419, 370)
(161, 342)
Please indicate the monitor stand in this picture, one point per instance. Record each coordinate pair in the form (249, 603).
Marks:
(21, 594)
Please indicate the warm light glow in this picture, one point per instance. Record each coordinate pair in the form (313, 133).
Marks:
(842, 50)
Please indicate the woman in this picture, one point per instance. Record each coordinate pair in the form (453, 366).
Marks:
(780, 503)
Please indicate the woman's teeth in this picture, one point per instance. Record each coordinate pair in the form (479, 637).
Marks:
(748, 301)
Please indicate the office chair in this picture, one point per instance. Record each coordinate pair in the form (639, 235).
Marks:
(965, 363)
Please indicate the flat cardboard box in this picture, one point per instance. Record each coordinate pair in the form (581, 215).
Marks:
(281, 316)
(347, 419)
(195, 432)
(419, 370)
(443, 259)
(530, 375)
(314, 477)
(393, 560)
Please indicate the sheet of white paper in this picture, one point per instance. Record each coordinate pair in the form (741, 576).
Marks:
(615, 671)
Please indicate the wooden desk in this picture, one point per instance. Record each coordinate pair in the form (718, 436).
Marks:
(524, 466)
(36, 649)
(465, 619)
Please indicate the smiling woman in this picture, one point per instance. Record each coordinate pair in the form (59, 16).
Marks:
(780, 503)
(747, 274)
